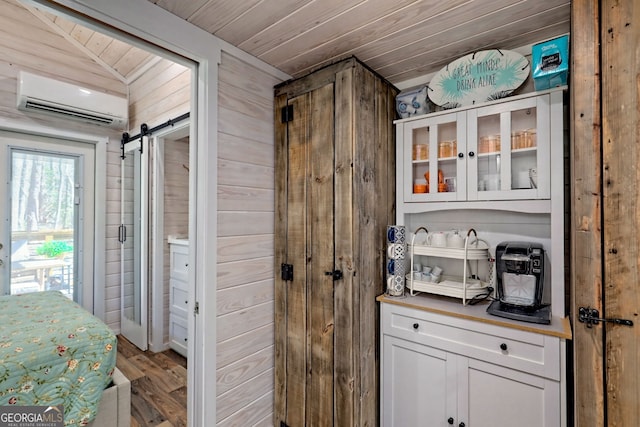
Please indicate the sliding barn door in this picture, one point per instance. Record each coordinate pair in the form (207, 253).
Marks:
(305, 241)
(621, 203)
(134, 237)
(606, 235)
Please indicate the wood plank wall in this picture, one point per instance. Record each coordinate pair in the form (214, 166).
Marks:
(160, 94)
(245, 311)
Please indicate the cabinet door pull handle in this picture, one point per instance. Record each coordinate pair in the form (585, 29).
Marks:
(415, 326)
(471, 154)
(461, 155)
(450, 420)
(461, 425)
(503, 347)
(186, 302)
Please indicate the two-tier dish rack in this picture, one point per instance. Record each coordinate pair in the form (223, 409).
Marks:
(464, 287)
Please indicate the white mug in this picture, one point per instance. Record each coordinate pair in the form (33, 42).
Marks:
(438, 238)
(395, 251)
(395, 285)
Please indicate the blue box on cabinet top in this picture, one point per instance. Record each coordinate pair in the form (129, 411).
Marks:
(550, 63)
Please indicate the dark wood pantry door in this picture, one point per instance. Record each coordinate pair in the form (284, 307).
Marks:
(605, 98)
(335, 196)
(304, 305)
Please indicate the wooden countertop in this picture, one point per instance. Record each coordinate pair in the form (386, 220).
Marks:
(559, 327)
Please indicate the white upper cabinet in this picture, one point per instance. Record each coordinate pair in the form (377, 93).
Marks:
(497, 151)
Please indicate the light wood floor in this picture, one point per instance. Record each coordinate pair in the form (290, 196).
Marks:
(158, 385)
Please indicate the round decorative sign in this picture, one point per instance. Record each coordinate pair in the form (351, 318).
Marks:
(478, 77)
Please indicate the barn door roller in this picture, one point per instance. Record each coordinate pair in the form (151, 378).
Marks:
(591, 317)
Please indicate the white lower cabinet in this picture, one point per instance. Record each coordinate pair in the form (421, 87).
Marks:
(439, 370)
(419, 384)
(178, 297)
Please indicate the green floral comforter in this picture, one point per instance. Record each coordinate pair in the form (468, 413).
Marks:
(53, 351)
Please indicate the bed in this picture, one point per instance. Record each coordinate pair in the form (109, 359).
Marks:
(52, 351)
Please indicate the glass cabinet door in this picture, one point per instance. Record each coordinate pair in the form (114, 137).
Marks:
(433, 170)
(507, 146)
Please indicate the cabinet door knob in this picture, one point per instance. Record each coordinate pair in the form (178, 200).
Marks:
(461, 155)
(415, 326)
(471, 154)
(461, 425)
(503, 347)
(450, 420)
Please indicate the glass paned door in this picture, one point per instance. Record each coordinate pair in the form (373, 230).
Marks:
(134, 242)
(435, 171)
(510, 140)
(44, 214)
(46, 232)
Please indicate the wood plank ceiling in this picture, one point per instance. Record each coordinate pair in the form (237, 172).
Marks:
(400, 39)
(122, 60)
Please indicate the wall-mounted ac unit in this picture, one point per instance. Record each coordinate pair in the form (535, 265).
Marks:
(45, 95)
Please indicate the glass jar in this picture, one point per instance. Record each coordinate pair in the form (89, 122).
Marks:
(530, 136)
(420, 151)
(420, 186)
(493, 143)
(445, 149)
(483, 144)
(517, 140)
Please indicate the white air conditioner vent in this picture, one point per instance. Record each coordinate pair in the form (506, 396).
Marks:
(53, 97)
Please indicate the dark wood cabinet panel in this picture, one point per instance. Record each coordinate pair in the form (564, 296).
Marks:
(335, 195)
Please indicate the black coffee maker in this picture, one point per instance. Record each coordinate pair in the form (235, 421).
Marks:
(520, 283)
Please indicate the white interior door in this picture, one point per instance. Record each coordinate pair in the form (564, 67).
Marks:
(134, 237)
(47, 227)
